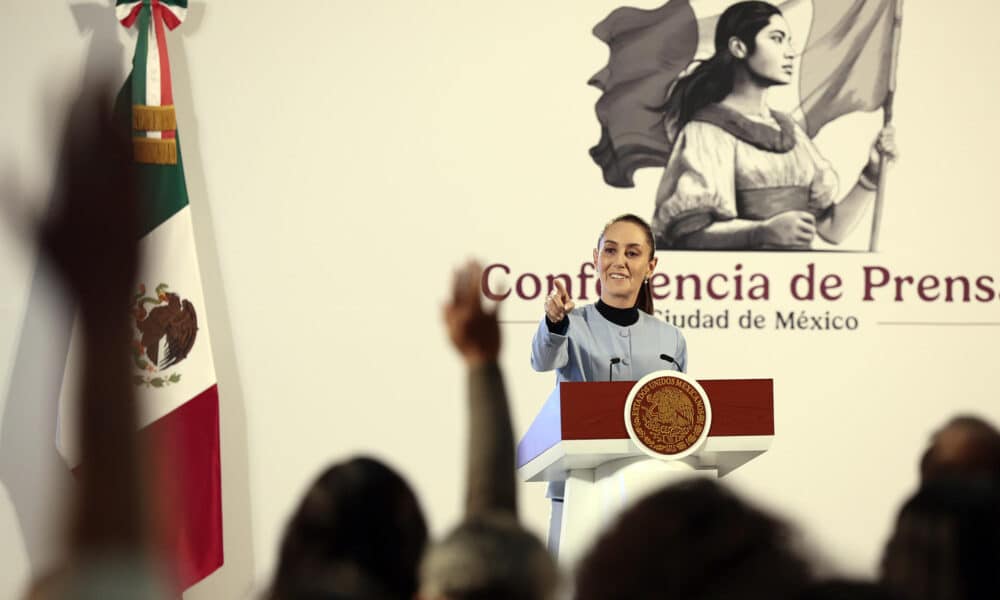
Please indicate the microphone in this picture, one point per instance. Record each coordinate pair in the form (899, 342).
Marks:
(611, 366)
(669, 358)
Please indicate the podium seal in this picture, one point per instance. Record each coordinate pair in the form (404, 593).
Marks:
(668, 415)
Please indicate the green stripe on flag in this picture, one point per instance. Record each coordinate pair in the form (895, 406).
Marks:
(162, 189)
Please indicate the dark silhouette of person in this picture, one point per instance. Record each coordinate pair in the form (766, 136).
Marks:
(694, 540)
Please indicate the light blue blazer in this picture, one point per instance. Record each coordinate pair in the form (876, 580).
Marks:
(591, 342)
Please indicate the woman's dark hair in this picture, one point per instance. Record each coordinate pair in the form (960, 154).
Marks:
(712, 80)
(358, 533)
(946, 544)
(694, 540)
(644, 301)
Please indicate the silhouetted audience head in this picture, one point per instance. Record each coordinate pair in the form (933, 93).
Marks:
(693, 540)
(842, 589)
(946, 545)
(966, 446)
(488, 557)
(359, 533)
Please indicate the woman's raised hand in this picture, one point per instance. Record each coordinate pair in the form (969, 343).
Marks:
(794, 228)
(558, 304)
(883, 146)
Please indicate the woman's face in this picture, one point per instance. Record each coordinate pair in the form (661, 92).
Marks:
(623, 263)
(773, 57)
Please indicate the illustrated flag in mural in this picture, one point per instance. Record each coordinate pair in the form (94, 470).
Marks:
(845, 67)
(171, 351)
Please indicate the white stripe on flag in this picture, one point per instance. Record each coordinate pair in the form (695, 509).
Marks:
(170, 258)
(153, 74)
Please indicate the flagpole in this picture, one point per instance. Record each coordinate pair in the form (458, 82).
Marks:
(897, 26)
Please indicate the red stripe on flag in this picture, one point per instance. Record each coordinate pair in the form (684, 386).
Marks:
(170, 19)
(166, 85)
(129, 20)
(189, 486)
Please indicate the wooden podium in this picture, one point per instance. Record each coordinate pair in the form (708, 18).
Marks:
(580, 437)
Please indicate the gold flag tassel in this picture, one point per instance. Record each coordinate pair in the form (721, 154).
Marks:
(154, 151)
(153, 118)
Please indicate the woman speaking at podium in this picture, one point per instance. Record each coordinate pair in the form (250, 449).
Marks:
(617, 338)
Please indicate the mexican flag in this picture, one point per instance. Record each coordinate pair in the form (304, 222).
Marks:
(846, 66)
(171, 349)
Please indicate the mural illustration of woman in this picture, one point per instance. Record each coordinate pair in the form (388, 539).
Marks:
(741, 175)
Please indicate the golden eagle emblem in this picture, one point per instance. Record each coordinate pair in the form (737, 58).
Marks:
(166, 327)
(670, 414)
(667, 415)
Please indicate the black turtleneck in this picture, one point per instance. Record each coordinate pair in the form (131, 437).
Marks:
(623, 317)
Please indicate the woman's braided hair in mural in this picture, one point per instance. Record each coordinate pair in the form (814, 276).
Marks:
(645, 300)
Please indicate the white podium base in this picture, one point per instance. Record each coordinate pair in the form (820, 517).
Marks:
(595, 497)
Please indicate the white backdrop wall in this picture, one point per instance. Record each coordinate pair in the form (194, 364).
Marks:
(342, 157)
